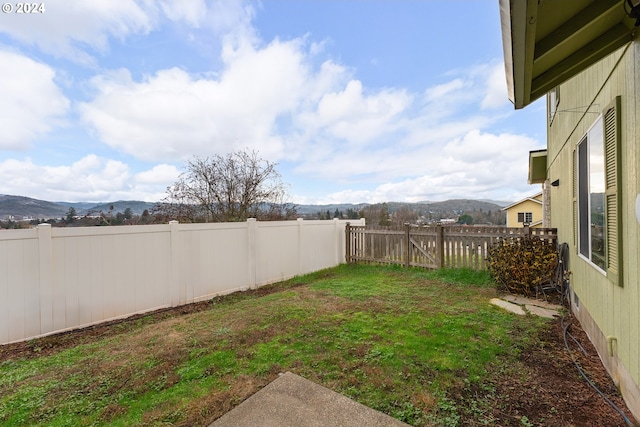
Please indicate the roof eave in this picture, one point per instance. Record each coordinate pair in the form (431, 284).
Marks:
(592, 31)
(518, 39)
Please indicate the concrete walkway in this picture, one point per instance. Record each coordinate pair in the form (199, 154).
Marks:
(521, 306)
(292, 401)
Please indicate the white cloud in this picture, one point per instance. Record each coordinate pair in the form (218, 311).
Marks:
(192, 12)
(464, 167)
(270, 98)
(68, 27)
(159, 174)
(355, 117)
(441, 134)
(75, 29)
(439, 92)
(174, 115)
(90, 178)
(496, 95)
(31, 104)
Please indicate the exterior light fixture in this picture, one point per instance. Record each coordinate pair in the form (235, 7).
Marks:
(555, 183)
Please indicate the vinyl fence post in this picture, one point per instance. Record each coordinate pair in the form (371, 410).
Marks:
(407, 240)
(252, 231)
(45, 248)
(338, 236)
(347, 242)
(301, 252)
(178, 286)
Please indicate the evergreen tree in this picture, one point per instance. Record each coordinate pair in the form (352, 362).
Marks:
(385, 219)
(71, 214)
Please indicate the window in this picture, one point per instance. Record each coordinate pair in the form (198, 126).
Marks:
(596, 183)
(591, 215)
(525, 217)
(553, 99)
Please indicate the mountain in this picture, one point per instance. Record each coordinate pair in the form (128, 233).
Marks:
(19, 207)
(500, 203)
(343, 207)
(453, 207)
(137, 207)
(79, 206)
(459, 206)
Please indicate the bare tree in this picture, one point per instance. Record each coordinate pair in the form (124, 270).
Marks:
(404, 215)
(227, 188)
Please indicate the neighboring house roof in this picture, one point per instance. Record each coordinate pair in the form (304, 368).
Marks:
(533, 198)
(547, 42)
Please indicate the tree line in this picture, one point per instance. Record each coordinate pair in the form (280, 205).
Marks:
(381, 215)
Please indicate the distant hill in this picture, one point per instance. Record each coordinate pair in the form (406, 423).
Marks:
(454, 207)
(79, 206)
(500, 203)
(19, 207)
(312, 209)
(137, 207)
(460, 205)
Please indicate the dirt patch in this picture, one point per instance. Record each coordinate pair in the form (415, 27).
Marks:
(203, 411)
(546, 388)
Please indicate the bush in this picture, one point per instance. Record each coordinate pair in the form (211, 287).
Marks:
(523, 265)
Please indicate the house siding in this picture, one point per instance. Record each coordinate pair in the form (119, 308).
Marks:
(525, 206)
(606, 309)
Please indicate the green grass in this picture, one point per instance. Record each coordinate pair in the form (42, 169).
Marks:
(403, 341)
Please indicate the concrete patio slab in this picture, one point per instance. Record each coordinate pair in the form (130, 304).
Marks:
(542, 312)
(516, 299)
(521, 305)
(514, 308)
(292, 401)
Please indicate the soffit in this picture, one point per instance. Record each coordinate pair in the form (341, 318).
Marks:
(546, 42)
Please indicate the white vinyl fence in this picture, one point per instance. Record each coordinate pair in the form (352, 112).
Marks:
(56, 279)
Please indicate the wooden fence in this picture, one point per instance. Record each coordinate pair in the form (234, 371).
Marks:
(433, 246)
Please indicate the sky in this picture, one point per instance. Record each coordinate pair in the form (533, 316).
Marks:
(357, 101)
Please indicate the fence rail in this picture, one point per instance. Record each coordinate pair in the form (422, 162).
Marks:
(432, 247)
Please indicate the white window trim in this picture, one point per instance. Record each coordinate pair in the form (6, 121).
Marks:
(597, 122)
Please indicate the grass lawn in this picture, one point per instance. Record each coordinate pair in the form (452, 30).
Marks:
(407, 342)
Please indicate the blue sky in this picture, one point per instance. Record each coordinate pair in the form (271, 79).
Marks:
(357, 101)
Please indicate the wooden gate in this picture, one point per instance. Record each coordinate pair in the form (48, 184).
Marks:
(432, 247)
(409, 247)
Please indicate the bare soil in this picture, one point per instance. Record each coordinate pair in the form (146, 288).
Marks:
(547, 389)
(544, 388)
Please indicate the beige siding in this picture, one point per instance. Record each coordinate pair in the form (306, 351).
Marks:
(614, 309)
(524, 206)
